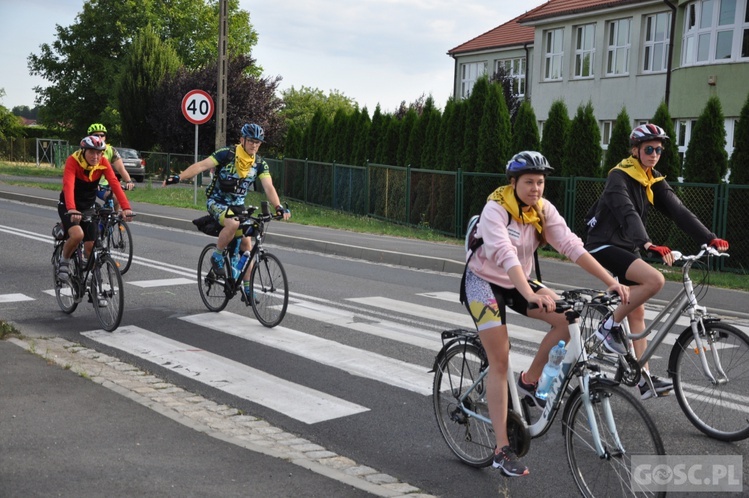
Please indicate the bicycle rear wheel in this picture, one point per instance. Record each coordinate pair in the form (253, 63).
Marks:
(718, 410)
(64, 291)
(471, 439)
(107, 293)
(270, 290)
(119, 241)
(611, 475)
(211, 286)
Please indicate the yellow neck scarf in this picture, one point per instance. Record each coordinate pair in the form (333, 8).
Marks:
(243, 161)
(505, 196)
(633, 168)
(78, 155)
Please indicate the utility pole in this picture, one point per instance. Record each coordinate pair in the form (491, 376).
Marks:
(221, 86)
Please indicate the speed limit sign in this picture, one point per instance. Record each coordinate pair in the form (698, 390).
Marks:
(197, 106)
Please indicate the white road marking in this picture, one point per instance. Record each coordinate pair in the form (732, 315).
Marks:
(162, 282)
(14, 298)
(298, 402)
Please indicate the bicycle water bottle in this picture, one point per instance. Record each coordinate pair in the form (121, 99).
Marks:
(241, 262)
(551, 370)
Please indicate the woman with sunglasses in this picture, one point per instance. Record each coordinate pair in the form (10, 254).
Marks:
(617, 235)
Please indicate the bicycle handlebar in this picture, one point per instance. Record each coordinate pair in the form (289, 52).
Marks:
(705, 249)
(577, 297)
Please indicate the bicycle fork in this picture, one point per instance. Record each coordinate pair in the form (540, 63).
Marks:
(608, 418)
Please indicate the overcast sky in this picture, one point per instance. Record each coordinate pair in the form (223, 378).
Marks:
(373, 51)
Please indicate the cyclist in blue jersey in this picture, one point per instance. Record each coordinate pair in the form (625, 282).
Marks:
(237, 168)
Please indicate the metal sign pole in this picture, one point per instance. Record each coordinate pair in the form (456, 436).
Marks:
(195, 182)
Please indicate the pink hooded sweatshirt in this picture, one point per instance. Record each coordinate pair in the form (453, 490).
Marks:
(507, 245)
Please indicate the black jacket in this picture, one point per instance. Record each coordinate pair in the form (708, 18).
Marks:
(620, 215)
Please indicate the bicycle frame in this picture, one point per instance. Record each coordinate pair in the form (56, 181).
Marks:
(685, 300)
(573, 365)
(258, 227)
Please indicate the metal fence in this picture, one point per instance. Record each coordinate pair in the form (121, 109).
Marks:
(445, 200)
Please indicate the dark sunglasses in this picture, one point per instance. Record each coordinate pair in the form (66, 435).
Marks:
(100, 135)
(650, 149)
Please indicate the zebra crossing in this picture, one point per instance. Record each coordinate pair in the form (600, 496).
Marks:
(378, 316)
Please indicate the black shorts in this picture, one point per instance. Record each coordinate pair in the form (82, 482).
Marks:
(617, 261)
(89, 227)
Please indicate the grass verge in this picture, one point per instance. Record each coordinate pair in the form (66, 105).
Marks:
(307, 214)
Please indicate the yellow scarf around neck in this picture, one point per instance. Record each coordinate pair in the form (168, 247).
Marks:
(633, 167)
(78, 156)
(505, 196)
(243, 161)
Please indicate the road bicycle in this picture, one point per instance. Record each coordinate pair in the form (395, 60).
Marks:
(709, 361)
(603, 424)
(98, 276)
(115, 233)
(270, 289)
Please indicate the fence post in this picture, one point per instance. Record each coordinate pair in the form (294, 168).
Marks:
(366, 185)
(459, 203)
(306, 175)
(332, 186)
(408, 195)
(720, 217)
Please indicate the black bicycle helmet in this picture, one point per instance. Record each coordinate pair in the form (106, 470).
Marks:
(253, 131)
(646, 132)
(528, 161)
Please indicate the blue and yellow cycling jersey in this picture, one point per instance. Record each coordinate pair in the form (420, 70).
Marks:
(229, 186)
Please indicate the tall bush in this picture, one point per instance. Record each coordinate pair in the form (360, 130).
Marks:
(740, 157)
(471, 122)
(583, 147)
(619, 141)
(706, 160)
(670, 162)
(555, 131)
(525, 130)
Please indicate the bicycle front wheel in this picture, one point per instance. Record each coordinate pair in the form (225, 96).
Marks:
(64, 291)
(119, 241)
(717, 409)
(270, 290)
(612, 474)
(107, 293)
(472, 440)
(211, 286)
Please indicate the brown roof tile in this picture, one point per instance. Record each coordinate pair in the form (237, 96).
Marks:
(554, 8)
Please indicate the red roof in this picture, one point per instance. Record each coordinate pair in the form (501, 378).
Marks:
(514, 33)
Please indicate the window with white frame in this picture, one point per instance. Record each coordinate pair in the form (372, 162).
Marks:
(469, 73)
(515, 69)
(715, 31)
(606, 127)
(553, 54)
(617, 57)
(657, 41)
(584, 50)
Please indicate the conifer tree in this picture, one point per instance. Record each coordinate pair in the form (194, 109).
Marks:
(670, 162)
(740, 157)
(359, 151)
(452, 136)
(418, 134)
(525, 130)
(554, 136)
(706, 160)
(493, 148)
(431, 150)
(583, 148)
(406, 125)
(311, 135)
(376, 134)
(618, 142)
(471, 122)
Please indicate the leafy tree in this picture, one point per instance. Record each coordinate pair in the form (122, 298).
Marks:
(510, 90)
(145, 67)
(10, 125)
(706, 160)
(740, 157)
(251, 100)
(300, 105)
(670, 162)
(619, 141)
(525, 130)
(84, 63)
(25, 112)
(556, 129)
(583, 147)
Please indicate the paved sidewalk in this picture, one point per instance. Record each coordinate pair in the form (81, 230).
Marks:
(75, 422)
